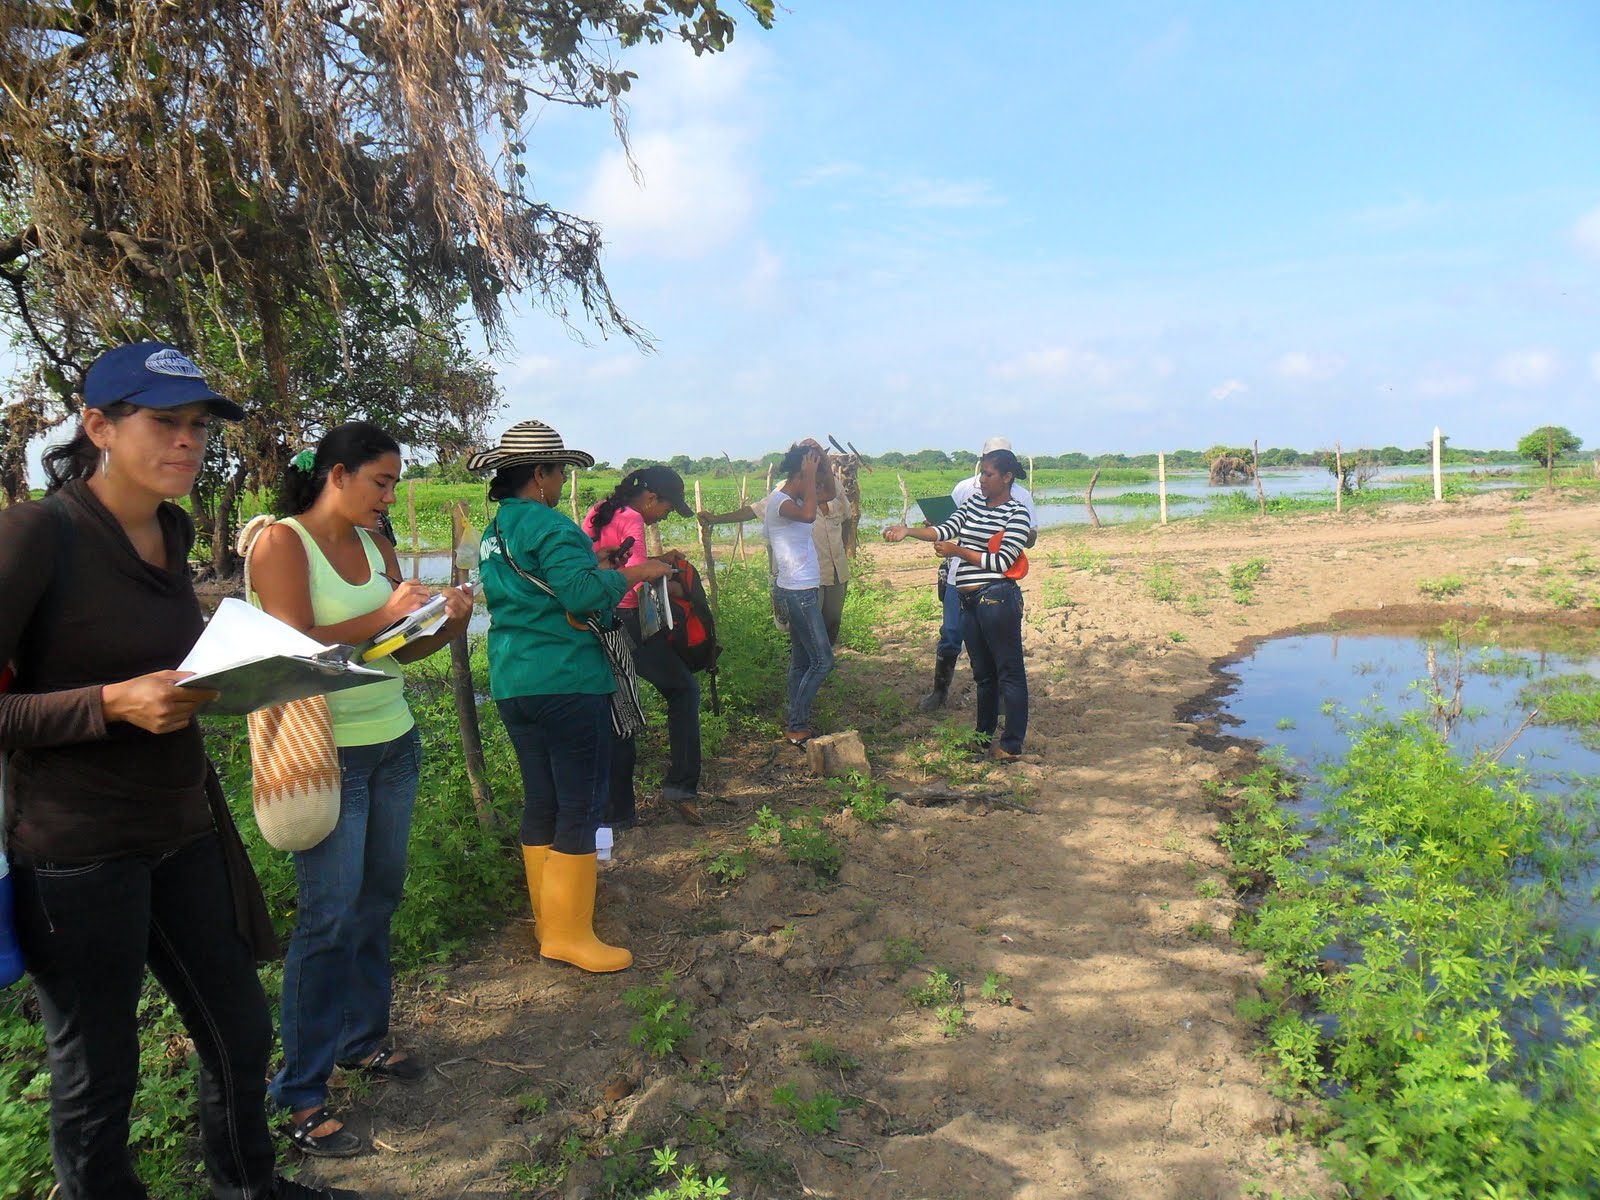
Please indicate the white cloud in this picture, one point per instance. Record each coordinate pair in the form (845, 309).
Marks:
(1406, 212)
(617, 366)
(1587, 233)
(1524, 369)
(529, 366)
(691, 186)
(1162, 366)
(1061, 363)
(1304, 367)
(917, 192)
(693, 194)
(1445, 384)
(1227, 388)
(1594, 366)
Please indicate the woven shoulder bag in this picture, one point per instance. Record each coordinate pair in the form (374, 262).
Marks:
(294, 764)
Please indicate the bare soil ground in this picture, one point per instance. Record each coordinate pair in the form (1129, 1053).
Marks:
(1119, 1069)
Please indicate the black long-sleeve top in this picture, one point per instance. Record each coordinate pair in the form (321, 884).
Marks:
(78, 788)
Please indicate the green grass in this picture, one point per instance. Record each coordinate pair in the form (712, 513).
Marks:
(1442, 586)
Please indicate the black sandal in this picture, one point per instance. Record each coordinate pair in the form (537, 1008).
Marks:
(386, 1066)
(341, 1143)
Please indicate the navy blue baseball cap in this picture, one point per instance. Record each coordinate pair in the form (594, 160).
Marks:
(151, 375)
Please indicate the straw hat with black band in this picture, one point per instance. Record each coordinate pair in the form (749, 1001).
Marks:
(528, 443)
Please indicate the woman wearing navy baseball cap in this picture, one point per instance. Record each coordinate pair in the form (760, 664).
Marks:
(123, 850)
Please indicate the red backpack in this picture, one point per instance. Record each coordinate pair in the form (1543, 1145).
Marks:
(693, 636)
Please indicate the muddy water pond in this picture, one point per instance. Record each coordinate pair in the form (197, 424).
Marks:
(1305, 693)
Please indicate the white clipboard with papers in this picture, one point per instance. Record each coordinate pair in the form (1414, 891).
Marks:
(255, 660)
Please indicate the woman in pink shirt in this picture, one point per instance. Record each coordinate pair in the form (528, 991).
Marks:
(645, 497)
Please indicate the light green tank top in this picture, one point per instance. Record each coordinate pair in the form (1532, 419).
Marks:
(363, 716)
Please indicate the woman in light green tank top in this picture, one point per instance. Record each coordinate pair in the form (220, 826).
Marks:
(322, 571)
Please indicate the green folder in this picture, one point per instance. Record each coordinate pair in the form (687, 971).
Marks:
(936, 510)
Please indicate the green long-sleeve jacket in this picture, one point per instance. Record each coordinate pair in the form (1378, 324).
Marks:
(533, 649)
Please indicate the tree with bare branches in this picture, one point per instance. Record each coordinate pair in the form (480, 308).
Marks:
(247, 171)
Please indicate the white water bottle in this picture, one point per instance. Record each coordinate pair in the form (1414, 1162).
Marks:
(603, 843)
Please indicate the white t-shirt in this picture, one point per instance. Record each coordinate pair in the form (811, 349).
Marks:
(789, 542)
(968, 488)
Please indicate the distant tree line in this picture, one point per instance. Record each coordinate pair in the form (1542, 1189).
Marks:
(724, 466)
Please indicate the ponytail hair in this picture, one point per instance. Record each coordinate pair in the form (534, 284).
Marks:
(1005, 462)
(351, 445)
(77, 458)
(624, 494)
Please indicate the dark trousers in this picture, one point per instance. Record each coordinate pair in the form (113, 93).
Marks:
(991, 624)
(833, 597)
(88, 930)
(563, 745)
(659, 665)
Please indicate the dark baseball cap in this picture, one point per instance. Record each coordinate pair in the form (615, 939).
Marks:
(666, 483)
(151, 375)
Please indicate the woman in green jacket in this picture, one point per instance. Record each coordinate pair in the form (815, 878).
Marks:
(551, 680)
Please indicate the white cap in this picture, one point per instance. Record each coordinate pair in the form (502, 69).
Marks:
(996, 443)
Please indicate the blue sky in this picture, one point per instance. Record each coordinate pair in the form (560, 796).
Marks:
(1166, 225)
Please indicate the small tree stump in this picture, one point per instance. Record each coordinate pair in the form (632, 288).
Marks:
(837, 754)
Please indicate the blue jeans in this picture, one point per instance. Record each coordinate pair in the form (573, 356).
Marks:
(336, 976)
(991, 622)
(659, 665)
(88, 931)
(563, 746)
(950, 626)
(810, 655)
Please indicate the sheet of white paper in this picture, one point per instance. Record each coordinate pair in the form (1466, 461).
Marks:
(239, 633)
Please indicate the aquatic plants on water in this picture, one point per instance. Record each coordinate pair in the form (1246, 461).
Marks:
(1412, 935)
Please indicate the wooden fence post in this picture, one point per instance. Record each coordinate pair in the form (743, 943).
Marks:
(466, 694)
(1161, 476)
(1088, 499)
(905, 500)
(411, 514)
(705, 544)
(1438, 470)
(1549, 459)
(574, 489)
(1255, 464)
(1338, 479)
(744, 501)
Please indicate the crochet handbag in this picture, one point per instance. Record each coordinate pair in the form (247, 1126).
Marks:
(294, 764)
(627, 714)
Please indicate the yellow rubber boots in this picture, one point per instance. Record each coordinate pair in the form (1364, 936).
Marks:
(533, 866)
(565, 915)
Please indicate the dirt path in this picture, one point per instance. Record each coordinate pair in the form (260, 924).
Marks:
(1118, 1070)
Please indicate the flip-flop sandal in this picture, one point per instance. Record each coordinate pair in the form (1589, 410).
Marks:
(341, 1143)
(384, 1065)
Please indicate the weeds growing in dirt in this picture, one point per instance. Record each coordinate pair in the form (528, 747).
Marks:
(901, 953)
(1162, 583)
(1079, 557)
(728, 866)
(1443, 586)
(806, 842)
(1243, 577)
(951, 754)
(863, 797)
(816, 1116)
(663, 1022)
(995, 989)
(940, 988)
(830, 1057)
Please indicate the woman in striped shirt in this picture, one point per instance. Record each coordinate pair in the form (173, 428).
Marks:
(991, 602)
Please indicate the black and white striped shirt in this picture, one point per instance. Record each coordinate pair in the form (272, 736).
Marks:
(973, 527)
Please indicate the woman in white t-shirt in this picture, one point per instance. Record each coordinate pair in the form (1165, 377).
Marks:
(786, 517)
